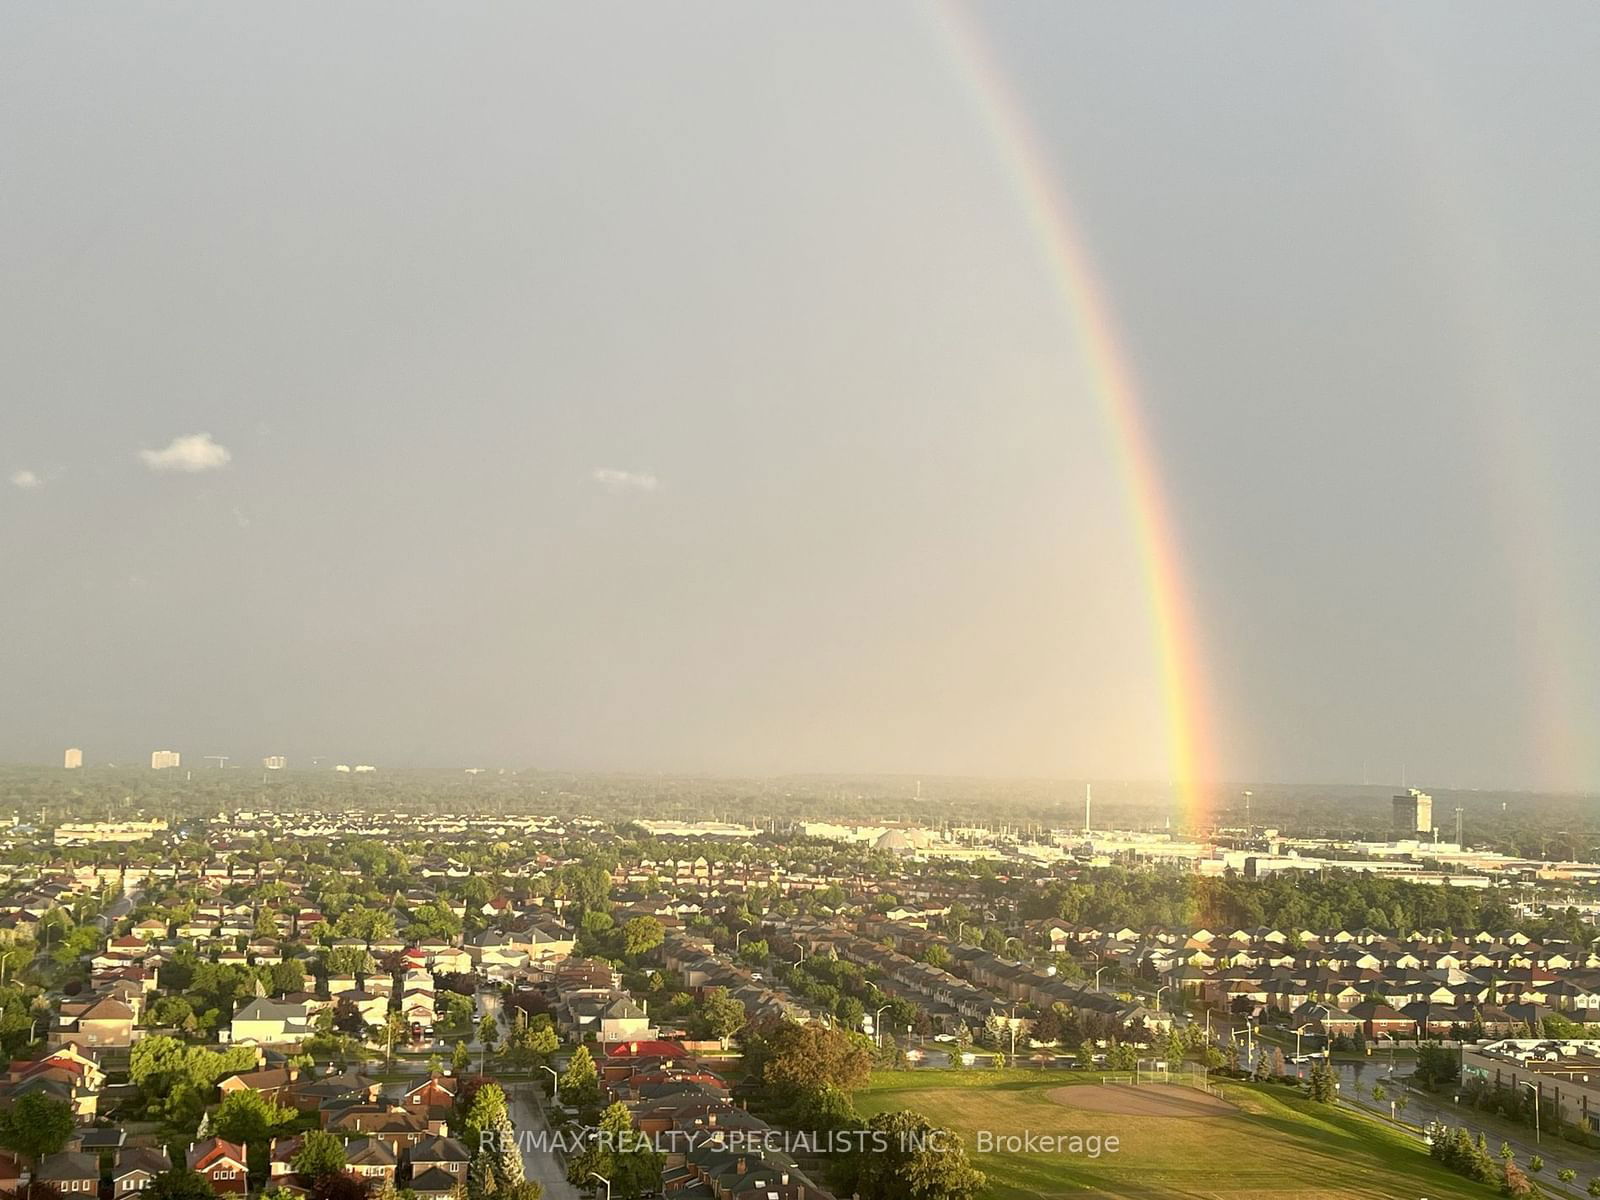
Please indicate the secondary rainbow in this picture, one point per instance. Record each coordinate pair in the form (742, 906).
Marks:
(1111, 381)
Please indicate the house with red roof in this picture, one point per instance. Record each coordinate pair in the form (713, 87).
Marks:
(646, 1048)
(223, 1163)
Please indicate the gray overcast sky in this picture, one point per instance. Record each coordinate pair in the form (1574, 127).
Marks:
(680, 386)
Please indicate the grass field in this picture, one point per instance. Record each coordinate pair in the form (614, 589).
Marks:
(1275, 1146)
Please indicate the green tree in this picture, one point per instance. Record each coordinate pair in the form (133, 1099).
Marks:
(248, 1117)
(321, 1153)
(460, 1058)
(806, 1057)
(641, 935)
(1437, 1066)
(1323, 1084)
(180, 1183)
(580, 1083)
(826, 1109)
(721, 1015)
(394, 1030)
(496, 1164)
(619, 1154)
(486, 1112)
(488, 1030)
(36, 1125)
(913, 1160)
(532, 1045)
(288, 976)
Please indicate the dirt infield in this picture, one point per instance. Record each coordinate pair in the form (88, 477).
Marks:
(1145, 1100)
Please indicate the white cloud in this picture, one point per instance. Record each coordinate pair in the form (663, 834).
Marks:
(195, 452)
(26, 480)
(614, 480)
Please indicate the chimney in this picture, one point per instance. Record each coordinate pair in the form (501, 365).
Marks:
(740, 1165)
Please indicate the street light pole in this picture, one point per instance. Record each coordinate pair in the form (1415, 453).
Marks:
(1297, 1034)
(602, 1179)
(1534, 1087)
(877, 1025)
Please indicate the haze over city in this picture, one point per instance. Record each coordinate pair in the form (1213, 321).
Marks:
(698, 392)
(910, 601)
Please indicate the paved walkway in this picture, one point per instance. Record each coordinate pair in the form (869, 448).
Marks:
(527, 1114)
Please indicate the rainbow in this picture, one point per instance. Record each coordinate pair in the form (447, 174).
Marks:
(1088, 316)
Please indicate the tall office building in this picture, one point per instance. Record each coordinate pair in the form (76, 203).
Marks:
(274, 762)
(72, 759)
(160, 760)
(1413, 813)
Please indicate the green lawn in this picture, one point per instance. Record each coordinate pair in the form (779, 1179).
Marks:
(1277, 1146)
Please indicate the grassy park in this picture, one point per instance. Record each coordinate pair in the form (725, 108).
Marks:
(1272, 1144)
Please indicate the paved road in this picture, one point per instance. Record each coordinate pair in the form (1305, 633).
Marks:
(527, 1114)
(1422, 1108)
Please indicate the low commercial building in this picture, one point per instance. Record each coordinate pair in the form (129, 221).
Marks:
(1565, 1073)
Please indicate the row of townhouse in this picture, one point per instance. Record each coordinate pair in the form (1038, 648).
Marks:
(730, 876)
(948, 999)
(1263, 967)
(1061, 935)
(980, 982)
(702, 967)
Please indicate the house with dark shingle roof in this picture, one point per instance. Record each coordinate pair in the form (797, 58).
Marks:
(136, 1167)
(440, 1154)
(370, 1158)
(72, 1173)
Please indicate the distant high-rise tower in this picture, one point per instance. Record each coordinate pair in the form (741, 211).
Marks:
(160, 760)
(1413, 813)
(72, 759)
(274, 762)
